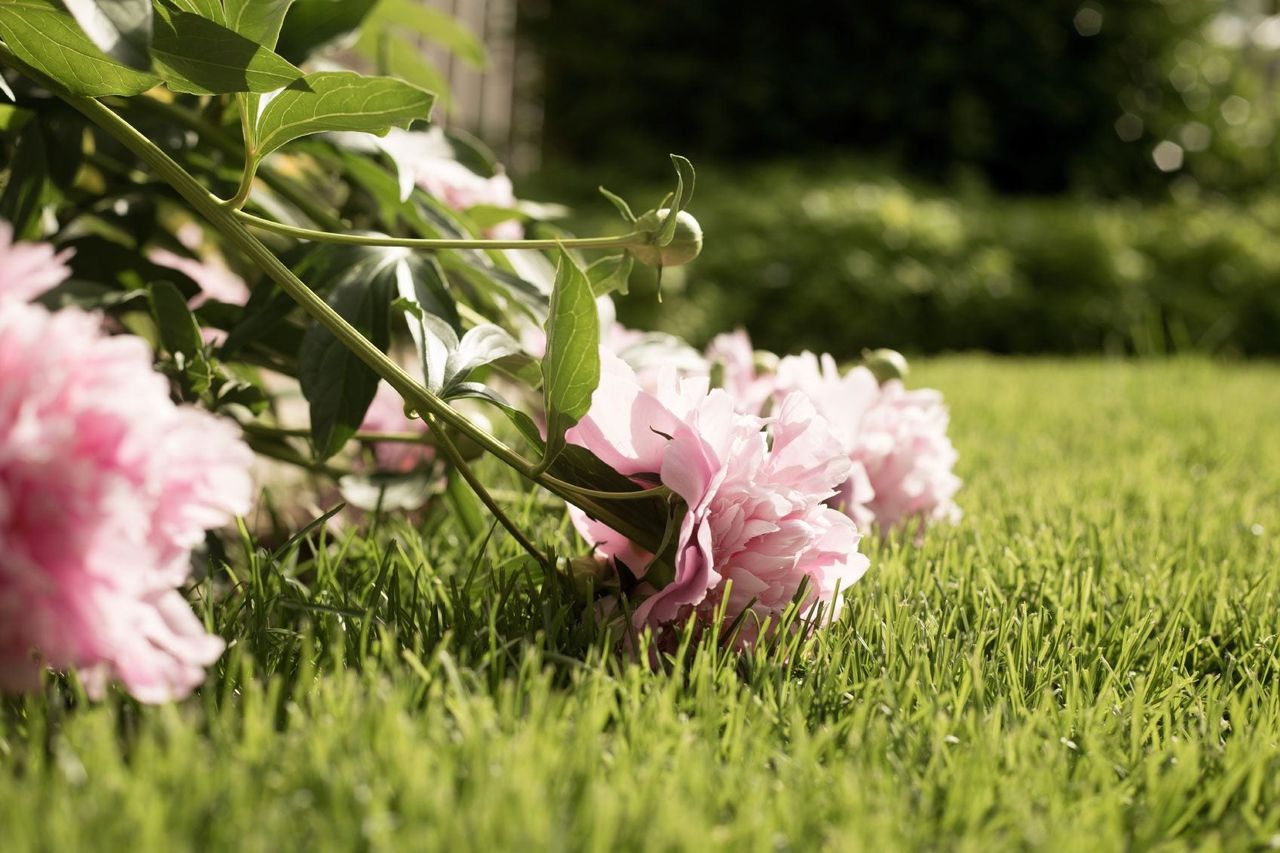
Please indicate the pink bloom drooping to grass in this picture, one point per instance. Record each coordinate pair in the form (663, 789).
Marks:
(896, 439)
(105, 488)
(757, 513)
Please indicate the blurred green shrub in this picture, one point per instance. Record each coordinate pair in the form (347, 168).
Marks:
(841, 258)
(1110, 95)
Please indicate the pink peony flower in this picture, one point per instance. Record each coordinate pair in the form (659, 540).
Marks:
(757, 513)
(896, 439)
(29, 269)
(105, 487)
(386, 414)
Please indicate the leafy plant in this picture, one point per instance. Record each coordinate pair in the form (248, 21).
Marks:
(164, 89)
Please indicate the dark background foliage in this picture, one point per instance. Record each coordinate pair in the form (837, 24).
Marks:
(1025, 94)
(1056, 176)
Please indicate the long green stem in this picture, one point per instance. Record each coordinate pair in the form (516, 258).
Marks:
(225, 221)
(620, 242)
(596, 494)
(299, 432)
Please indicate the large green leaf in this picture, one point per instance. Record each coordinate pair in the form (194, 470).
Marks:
(361, 284)
(202, 57)
(339, 100)
(180, 336)
(120, 28)
(337, 384)
(571, 366)
(45, 36)
(257, 20)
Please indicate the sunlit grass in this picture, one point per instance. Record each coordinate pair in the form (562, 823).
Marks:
(1089, 660)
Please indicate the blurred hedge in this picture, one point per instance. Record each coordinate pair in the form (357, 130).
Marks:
(1027, 95)
(837, 259)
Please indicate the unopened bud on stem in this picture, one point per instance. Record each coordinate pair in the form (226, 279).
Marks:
(684, 247)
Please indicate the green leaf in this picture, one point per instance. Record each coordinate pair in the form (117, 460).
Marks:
(257, 20)
(201, 57)
(311, 24)
(120, 28)
(179, 331)
(481, 345)
(610, 273)
(361, 284)
(684, 193)
(432, 317)
(210, 10)
(180, 335)
(45, 36)
(571, 367)
(335, 382)
(620, 203)
(339, 100)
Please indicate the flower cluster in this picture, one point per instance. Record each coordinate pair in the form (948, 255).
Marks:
(896, 439)
(105, 488)
(781, 467)
(757, 531)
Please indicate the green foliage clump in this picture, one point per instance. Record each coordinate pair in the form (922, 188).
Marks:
(842, 258)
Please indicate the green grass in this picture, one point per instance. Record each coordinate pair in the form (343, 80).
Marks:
(1089, 660)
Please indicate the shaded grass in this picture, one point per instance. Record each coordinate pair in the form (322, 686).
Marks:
(1089, 660)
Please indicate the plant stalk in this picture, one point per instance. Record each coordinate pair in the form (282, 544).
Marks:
(450, 450)
(620, 242)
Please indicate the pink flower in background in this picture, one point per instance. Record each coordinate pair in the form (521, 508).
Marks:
(105, 487)
(386, 414)
(29, 269)
(209, 271)
(757, 513)
(426, 158)
(896, 439)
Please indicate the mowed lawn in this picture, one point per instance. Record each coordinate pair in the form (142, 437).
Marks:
(1090, 660)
